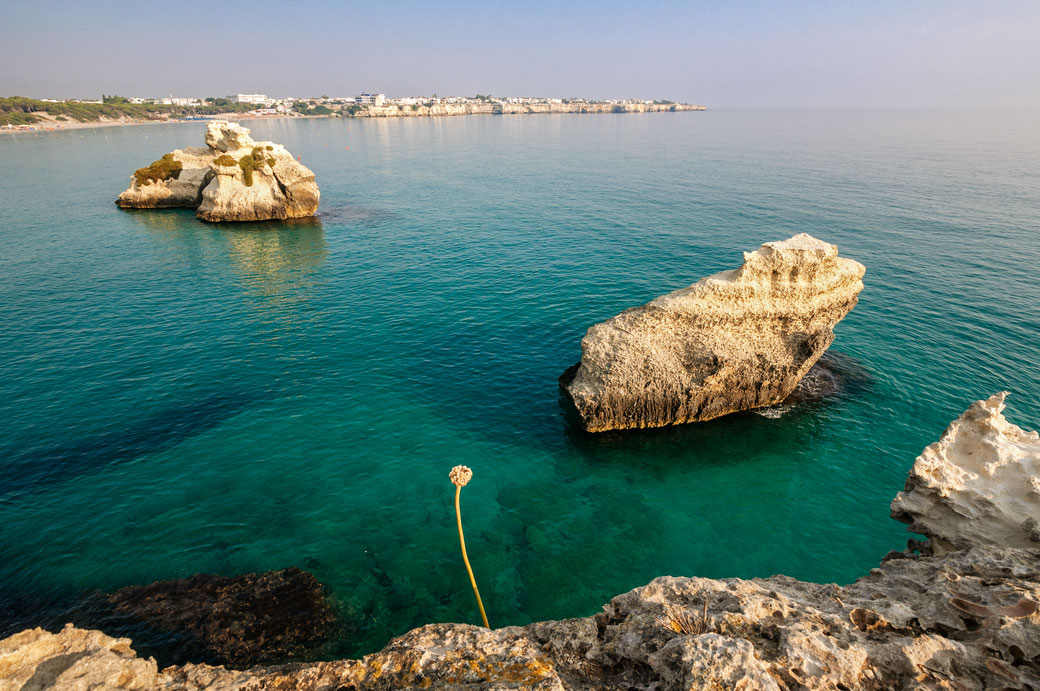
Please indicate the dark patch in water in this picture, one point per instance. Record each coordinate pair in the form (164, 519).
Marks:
(356, 215)
(259, 618)
(37, 468)
(833, 376)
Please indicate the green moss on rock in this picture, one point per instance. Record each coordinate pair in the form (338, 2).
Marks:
(225, 160)
(166, 168)
(250, 163)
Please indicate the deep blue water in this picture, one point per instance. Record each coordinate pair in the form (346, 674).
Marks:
(178, 397)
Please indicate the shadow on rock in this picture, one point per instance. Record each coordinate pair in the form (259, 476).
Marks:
(834, 376)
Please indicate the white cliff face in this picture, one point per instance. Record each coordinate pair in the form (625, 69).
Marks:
(733, 341)
(979, 484)
(215, 181)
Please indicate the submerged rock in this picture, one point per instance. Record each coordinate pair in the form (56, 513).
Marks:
(979, 484)
(233, 179)
(966, 619)
(256, 618)
(733, 341)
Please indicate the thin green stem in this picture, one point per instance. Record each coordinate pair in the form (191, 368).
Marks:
(462, 541)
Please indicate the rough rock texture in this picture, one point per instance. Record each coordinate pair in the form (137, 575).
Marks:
(966, 619)
(214, 182)
(980, 483)
(183, 191)
(72, 660)
(733, 341)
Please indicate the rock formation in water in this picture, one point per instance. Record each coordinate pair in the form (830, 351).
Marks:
(733, 341)
(965, 619)
(233, 179)
(980, 483)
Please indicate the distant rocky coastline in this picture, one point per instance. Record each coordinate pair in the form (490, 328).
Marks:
(506, 108)
(233, 179)
(958, 611)
(733, 341)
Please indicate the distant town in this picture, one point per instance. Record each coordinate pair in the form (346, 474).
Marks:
(18, 113)
(267, 105)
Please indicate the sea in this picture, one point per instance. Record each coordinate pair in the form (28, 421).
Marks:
(179, 397)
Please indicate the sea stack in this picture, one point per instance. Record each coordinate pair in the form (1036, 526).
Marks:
(979, 484)
(233, 179)
(736, 340)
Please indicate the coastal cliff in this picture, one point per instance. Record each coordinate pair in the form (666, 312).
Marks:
(233, 179)
(966, 619)
(733, 341)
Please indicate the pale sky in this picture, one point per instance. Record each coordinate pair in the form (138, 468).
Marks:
(886, 53)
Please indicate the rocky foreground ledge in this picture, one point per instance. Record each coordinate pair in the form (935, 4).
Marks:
(733, 341)
(233, 179)
(965, 617)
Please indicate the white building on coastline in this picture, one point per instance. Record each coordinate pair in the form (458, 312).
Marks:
(370, 99)
(259, 99)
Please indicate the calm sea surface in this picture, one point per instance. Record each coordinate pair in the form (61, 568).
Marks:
(177, 397)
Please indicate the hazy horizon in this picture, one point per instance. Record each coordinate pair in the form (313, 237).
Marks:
(752, 54)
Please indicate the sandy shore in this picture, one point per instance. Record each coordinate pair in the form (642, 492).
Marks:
(48, 123)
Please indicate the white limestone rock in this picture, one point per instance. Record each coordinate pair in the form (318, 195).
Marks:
(182, 191)
(213, 181)
(223, 136)
(979, 484)
(73, 660)
(733, 341)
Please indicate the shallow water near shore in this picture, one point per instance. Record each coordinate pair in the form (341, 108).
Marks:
(180, 397)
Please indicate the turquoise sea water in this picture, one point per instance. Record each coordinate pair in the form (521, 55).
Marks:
(178, 397)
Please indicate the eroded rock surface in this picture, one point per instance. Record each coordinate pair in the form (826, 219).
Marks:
(733, 341)
(185, 190)
(72, 660)
(979, 484)
(965, 619)
(233, 179)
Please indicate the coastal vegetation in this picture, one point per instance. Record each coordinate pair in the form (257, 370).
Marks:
(166, 168)
(252, 162)
(17, 110)
(312, 108)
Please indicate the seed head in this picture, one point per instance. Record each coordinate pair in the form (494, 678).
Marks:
(460, 475)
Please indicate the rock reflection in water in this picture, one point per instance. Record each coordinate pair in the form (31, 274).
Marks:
(274, 262)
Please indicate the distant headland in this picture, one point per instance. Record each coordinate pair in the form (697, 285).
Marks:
(20, 114)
